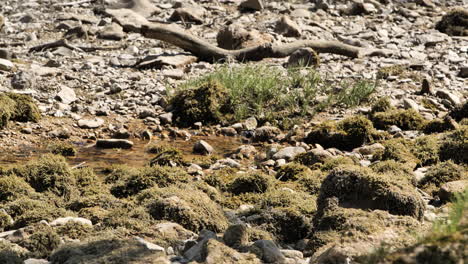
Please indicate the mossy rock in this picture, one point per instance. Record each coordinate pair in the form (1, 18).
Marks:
(74, 230)
(11, 253)
(346, 134)
(134, 218)
(408, 119)
(454, 146)
(168, 156)
(398, 170)
(42, 240)
(107, 250)
(441, 173)
(454, 23)
(426, 150)
(48, 173)
(207, 103)
(214, 251)
(440, 125)
(398, 150)
(18, 107)
(357, 187)
(382, 105)
(63, 149)
(13, 187)
(292, 172)
(459, 112)
(88, 183)
(394, 70)
(335, 162)
(116, 173)
(311, 183)
(252, 182)
(7, 108)
(148, 177)
(285, 224)
(185, 205)
(284, 198)
(222, 178)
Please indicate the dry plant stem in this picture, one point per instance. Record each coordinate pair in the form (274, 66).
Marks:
(55, 44)
(208, 52)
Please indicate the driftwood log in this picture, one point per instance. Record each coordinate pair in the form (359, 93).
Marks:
(208, 52)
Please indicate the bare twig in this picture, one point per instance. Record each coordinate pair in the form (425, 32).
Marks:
(55, 44)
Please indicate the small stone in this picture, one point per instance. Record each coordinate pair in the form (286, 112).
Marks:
(202, 147)
(160, 61)
(463, 72)
(270, 253)
(393, 129)
(23, 80)
(149, 245)
(448, 191)
(147, 135)
(266, 133)
(250, 123)
(65, 220)
(6, 65)
(228, 131)
(410, 104)
(114, 143)
(188, 14)
(255, 5)
(26, 130)
(426, 87)
(236, 235)
(455, 100)
(288, 153)
(288, 28)
(112, 32)
(90, 123)
(166, 118)
(369, 149)
(66, 95)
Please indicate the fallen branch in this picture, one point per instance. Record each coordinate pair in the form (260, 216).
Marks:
(75, 3)
(52, 45)
(208, 52)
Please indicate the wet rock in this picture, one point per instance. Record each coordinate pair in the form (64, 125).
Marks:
(288, 153)
(90, 123)
(267, 251)
(245, 151)
(66, 95)
(6, 65)
(121, 134)
(202, 147)
(114, 143)
(65, 220)
(236, 235)
(304, 57)
(266, 133)
(146, 135)
(23, 80)
(255, 5)
(448, 191)
(228, 131)
(288, 28)
(112, 32)
(188, 14)
(236, 37)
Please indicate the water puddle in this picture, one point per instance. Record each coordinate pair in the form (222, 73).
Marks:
(98, 158)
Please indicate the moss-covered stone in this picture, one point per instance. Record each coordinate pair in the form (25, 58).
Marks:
(311, 183)
(7, 107)
(439, 126)
(185, 205)
(42, 241)
(382, 105)
(459, 112)
(63, 149)
(426, 150)
(17, 107)
(13, 187)
(454, 146)
(334, 162)
(287, 198)
(74, 230)
(397, 170)
(397, 150)
(454, 23)
(292, 172)
(11, 253)
(441, 173)
(206, 103)
(346, 134)
(48, 173)
(358, 187)
(87, 182)
(408, 119)
(148, 177)
(252, 182)
(214, 251)
(168, 156)
(222, 178)
(394, 70)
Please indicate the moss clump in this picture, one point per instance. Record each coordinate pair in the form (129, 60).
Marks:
(459, 112)
(10, 254)
(63, 149)
(292, 172)
(26, 211)
(357, 187)
(42, 241)
(441, 173)
(405, 119)
(426, 149)
(253, 182)
(13, 187)
(347, 134)
(382, 105)
(454, 23)
(311, 183)
(222, 178)
(130, 217)
(116, 173)
(396, 169)
(168, 156)
(206, 103)
(455, 146)
(74, 230)
(440, 125)
(284, 198)
(17, 107)
(334, 162)
(48, 173)
(397, 150)
(192, 209)
(394, 70)
(87, 182)
(148, 177)
(5, 220)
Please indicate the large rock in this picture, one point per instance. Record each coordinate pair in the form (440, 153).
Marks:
(90, 123)
(129, 20)
(202, 147)
(288, 153)
(448, 191)
(114, 143)
(66, 95)
(236, 235)
(266, 133)
(268, 251)
(6, 65)
(112, 31)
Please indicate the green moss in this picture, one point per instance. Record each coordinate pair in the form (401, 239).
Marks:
(26, 109)
(116, 173)
(347, 134)
(334, 162)
(63, 149)
(9, 253)
(42, 241)
(74, 230)
(283, 198)
(397, 150)
(426, 149)
(7, 107)
(311, 183)
(396, 170)
(87, 182)
(13, 187)
(148, 177)
(441, 173)
(459, 112)
(438, 126)
(382, 105)
(206, 104)
(252, 182)
(394, 70)
(292, 172)
(5, 220)
(133, 218)
(185, 205)
(455, 146)
(358, 187)
(454, 23)
(405, 119)
(168, 156)
(48, 173)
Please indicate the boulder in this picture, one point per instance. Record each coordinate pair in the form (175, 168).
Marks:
(114, 143)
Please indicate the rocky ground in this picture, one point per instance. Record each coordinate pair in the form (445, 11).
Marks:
(360, 177)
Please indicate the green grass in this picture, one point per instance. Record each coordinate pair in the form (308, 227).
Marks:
(454, 221)
(275, 95)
